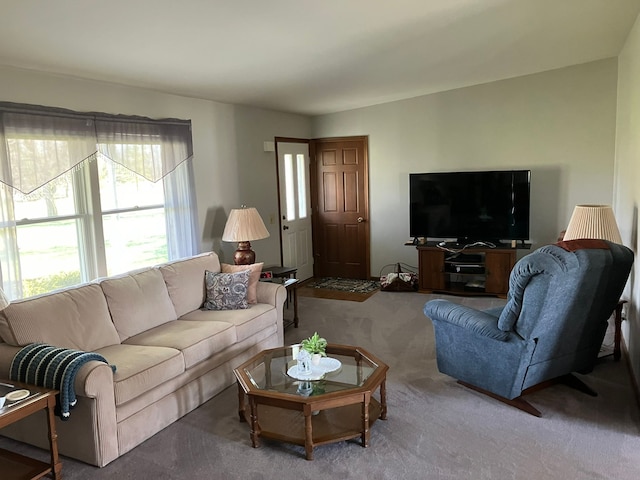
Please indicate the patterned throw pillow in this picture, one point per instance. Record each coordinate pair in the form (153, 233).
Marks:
(226, 291)
(256, 268)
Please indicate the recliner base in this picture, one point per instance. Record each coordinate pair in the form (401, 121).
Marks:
(520, 403)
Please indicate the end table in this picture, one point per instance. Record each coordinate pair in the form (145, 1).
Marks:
(16, 466)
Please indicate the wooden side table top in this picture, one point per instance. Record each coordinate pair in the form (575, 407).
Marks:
(281, 271)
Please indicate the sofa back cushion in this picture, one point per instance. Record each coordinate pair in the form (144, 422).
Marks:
(75, 317)
(138, 301)
(185, 281)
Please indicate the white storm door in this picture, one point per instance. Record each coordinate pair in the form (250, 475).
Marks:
(295, 207)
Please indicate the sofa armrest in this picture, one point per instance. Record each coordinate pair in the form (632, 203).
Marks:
(274, 294)
(479, 322)
(268, 292)
(7, 352)
(94, 381)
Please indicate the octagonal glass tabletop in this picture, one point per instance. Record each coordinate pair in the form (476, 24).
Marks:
(277, 370)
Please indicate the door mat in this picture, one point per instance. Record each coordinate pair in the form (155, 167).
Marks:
(345, 284)
(339, 289)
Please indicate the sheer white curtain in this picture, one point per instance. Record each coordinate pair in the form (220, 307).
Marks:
(150, 148)
(158, 151)
(9, 266)
(181, 212)
(38, 144)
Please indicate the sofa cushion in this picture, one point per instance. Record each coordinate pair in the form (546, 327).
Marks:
(254, 278)
(141, 368)
(185, 280)
(75, 317)
(138, 301)
(247, 322)
(226, 291)
(197, 341)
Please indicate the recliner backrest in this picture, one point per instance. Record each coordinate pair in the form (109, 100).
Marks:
(562, 298)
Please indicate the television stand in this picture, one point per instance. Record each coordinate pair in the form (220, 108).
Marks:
(477, 270)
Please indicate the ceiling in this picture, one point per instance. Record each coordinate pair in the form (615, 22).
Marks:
(309, 57)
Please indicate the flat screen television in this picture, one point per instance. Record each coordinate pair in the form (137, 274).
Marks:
(470, 206)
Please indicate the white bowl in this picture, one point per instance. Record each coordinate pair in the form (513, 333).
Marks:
(17, 395)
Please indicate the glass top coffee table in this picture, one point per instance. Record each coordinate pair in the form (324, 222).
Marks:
(332, 404)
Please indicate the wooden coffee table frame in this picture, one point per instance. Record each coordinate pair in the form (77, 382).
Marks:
(41, 399)
(328, 417)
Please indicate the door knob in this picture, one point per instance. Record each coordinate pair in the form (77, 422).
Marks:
(360, 219)
(285, 227)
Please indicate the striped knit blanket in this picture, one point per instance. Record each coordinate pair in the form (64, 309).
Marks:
(52, 367)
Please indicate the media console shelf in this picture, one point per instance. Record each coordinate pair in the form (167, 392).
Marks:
(475, 271)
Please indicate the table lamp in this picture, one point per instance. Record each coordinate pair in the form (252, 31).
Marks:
(243, 225)
(593, 221)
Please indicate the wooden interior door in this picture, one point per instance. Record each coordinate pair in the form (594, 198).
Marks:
(341, 192)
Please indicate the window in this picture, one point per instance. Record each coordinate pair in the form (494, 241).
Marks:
(85, 196)
(296, 187)
(302, 187)
(133, 218)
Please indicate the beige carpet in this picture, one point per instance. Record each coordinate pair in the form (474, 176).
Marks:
(436, 429)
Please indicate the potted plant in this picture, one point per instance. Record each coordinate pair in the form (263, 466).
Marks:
(316, 346)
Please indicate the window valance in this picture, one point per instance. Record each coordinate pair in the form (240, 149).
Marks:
(38, 144)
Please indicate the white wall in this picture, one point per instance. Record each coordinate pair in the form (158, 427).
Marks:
(627, 181)
(230, 165)
(560, 124)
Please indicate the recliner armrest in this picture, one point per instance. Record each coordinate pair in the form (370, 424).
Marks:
(477, 321)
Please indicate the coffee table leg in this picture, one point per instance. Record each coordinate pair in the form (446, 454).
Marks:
(308, 434)
(255, 429)
(295, 306)
(241, 404)
(56, 465)
(383, 400)
(366, 435)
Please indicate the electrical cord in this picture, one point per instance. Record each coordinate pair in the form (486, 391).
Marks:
(411, 268)
(443, 246)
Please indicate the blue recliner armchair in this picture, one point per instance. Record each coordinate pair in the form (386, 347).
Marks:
(560, 298)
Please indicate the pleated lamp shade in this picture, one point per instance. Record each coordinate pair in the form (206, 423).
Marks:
(244, 225)
(593, 221)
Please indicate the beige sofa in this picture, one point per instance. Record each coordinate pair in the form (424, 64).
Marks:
(170, 355)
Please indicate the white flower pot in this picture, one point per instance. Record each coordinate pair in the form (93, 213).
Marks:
(315, 358)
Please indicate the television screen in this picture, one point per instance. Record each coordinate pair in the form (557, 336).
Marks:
(470, 206)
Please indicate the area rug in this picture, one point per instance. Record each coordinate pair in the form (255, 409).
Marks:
(339, 289)
(345, 284)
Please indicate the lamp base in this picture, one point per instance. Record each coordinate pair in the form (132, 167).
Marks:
(244, 255)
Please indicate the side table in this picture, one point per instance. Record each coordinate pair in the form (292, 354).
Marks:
(617, 335)
(286, 277)
(618, 330)
(16, 466)
(281, 272)
(291, 284)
